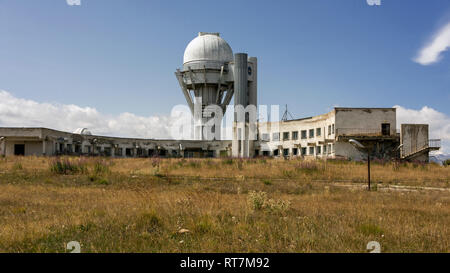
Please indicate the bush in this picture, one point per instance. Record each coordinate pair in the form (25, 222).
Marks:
(101, 167)
(260, 201)
(446, 162)
(63, 166)
(17, 166)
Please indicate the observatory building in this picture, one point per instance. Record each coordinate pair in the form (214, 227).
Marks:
(210, 77)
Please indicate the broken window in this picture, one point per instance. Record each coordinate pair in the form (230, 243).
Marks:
(294, 151)
(286, 136)
(276, 152)
(295, 135)
(285, 152)
(311, 133)
(311, 150)
(303, 150)
(304, 134)
(319, 150)
(276, 136)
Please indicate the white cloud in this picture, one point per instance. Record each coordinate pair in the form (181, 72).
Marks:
(431, 52)
(17, 112)
(439, 123)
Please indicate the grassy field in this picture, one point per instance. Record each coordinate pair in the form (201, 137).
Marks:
(221, 205)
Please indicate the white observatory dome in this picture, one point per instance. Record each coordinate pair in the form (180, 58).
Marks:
(209, 50)
(82, 131)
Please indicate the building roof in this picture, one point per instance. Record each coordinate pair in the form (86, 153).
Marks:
(208, 49)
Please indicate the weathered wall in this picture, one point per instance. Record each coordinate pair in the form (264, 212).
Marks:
(364, 120)
(413, 137)
(323, 122)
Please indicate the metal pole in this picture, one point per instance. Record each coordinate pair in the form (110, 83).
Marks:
(368, 168)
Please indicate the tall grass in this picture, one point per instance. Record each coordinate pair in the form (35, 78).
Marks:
(259, 205)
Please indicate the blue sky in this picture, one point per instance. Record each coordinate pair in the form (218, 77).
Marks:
(120, 56)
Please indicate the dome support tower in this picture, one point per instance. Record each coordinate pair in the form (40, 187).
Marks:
(209, 78)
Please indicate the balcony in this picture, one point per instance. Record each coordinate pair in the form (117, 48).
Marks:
(366, 133)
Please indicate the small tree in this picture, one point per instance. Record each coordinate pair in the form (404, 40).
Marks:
(446, 162)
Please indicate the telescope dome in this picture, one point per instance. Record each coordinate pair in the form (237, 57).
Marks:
(207, 50)
(82, 131)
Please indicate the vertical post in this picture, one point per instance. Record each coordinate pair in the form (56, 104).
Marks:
(368, 167)
(44, 147)
(3, 146)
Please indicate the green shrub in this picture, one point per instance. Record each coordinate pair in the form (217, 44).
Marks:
(101, 167)
(63, 166)
(446, 162)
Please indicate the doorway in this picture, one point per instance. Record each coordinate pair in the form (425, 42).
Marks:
(19, 149)
(385, 129)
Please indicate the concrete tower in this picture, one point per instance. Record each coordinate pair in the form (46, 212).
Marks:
(209, 78)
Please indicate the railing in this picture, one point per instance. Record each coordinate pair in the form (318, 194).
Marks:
(361, 132)
(434, 144)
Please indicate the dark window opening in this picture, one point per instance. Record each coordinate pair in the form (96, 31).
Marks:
(19, 149)
(385, 129)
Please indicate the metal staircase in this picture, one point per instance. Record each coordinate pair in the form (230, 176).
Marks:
(427, 146)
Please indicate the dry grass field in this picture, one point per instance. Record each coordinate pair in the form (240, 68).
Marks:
(221, 205)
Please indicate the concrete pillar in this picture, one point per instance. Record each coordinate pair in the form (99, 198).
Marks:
(253, 85)
(3, 146)
(44, 147)
(240, 137)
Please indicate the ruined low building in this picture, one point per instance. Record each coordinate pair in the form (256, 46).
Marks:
(323, 136)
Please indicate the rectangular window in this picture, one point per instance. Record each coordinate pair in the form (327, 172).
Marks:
(324, 149)
(318, 132)
(303, 150)
(265, 137)
(385, 129)
(107, 151)
(285, 135)
(319, 150)
(276, 152)
(311, 133)
(332, 129)
(304, 134)
(294, 151)
(266, 153)
(329, 129)
(118, 151)
(285, 152)
(295, 135)
(276, 136)
(311, 150)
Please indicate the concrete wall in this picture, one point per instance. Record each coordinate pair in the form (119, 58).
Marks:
(413, 137)
(364, 120)
(57, 142)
